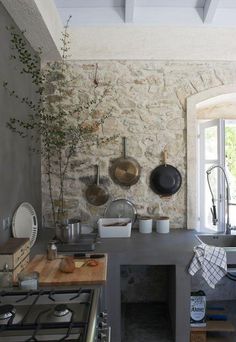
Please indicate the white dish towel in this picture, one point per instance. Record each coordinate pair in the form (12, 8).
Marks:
(211, 260)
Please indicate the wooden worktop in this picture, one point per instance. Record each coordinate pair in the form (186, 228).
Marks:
(50, 274)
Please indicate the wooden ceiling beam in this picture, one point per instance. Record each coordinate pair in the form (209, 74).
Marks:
(129, 10)
(209, 10)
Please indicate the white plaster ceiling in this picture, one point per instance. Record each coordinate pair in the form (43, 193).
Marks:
(146, 12)
(131, 29)
(151, 29)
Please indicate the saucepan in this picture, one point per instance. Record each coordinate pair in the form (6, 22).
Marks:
(69, 231)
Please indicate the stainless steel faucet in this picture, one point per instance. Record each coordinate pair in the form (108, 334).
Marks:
(213, 209)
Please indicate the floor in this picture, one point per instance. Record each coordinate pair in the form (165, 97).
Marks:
(146, 322)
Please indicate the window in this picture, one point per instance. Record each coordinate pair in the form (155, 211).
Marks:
(217, 146)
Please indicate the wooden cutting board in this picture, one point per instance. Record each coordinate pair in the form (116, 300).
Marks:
(51, 275)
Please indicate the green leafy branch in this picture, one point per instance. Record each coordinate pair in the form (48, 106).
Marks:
(58, 122)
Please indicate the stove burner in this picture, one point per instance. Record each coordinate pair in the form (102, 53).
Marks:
(61, 310)
(6, 311)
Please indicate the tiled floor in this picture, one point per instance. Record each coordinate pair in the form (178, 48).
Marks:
(146, 322)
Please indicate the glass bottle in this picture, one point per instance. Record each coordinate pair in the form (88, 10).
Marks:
(6, 277)
(52, 251)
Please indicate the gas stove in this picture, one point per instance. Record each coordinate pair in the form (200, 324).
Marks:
(46, 315)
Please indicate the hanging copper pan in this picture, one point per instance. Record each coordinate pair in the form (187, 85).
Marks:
(96, 194)
(165, 180)
(125, 170)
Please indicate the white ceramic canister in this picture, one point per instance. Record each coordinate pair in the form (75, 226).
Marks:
(163, 224)
(145, 224)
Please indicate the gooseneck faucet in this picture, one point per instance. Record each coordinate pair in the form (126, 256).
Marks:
(213, 209)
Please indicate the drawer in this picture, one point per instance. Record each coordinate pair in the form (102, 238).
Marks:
(20, 268)
(21, 254)
(13, 252)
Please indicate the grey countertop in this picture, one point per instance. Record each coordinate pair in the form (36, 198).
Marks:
(173, 248)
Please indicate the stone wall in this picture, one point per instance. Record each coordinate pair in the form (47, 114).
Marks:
(147, 100)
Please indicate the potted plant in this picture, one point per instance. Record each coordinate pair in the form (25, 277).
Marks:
(61, 123)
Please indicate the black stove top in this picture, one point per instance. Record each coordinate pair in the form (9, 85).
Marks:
(86, 242)
(46, 315)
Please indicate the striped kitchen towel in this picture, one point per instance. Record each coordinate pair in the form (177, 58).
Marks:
(211, 261)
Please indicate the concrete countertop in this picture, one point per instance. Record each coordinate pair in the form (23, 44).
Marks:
(173, 248)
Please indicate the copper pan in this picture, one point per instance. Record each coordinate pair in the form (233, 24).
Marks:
(125, 170)
(96, 194)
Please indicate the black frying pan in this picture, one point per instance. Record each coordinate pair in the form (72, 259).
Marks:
(165, 180)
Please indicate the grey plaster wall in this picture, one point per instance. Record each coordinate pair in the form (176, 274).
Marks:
(20, 171)
(224, 290)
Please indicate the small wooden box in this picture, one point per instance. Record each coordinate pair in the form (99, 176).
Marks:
(14, 252)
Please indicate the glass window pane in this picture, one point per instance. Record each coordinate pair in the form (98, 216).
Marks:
(211, 143)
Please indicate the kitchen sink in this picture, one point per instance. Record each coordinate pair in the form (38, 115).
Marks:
(219, 240)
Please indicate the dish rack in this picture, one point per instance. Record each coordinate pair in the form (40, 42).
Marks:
(114, 227)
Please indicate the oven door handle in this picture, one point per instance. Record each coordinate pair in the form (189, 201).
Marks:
(109, 334)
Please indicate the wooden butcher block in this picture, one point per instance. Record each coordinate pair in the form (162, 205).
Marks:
(51, 275)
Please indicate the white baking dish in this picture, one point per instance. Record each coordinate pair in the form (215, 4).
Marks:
(114, 227)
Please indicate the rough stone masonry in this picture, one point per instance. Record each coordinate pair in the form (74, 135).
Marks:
(148, 101)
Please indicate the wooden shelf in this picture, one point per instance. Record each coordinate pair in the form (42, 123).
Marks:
(200, 334)
(219, 339)
(217, 326)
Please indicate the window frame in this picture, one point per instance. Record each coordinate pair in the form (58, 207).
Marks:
(202, 177)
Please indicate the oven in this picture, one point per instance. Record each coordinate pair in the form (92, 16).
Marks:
(53, 315)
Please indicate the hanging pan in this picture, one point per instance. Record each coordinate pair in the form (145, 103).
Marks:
(96, 194)
(125, 170)
(165, 180)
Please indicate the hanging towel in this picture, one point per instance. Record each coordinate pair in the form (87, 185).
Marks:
(211, 260)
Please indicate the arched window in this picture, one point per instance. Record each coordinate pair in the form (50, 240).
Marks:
(195, 115)
(216, 147)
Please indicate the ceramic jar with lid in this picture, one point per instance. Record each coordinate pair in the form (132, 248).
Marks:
(6, 277)
(163, 224)
(145, 224)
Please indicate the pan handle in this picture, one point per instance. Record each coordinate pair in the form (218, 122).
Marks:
(98, 174)
(165, 155)
(124, 147)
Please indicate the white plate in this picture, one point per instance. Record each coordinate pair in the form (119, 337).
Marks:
(25, 223)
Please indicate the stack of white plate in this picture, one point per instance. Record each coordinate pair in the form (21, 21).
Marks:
(25, 223)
